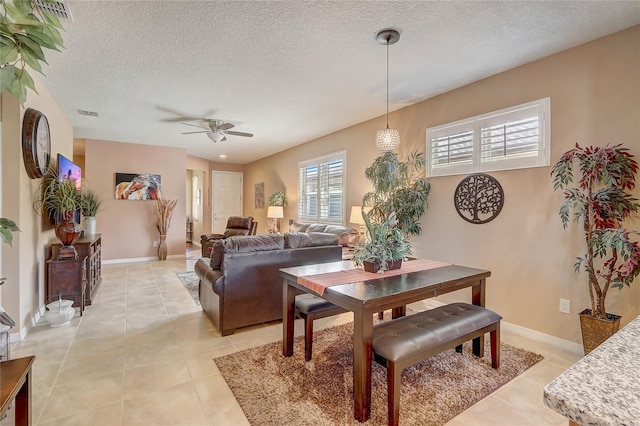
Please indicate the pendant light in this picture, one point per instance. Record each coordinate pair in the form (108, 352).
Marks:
(387, 139)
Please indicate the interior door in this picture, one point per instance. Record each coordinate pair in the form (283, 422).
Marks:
(227, 198)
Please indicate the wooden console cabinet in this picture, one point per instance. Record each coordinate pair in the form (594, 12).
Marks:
(66, 279)
(89, 246)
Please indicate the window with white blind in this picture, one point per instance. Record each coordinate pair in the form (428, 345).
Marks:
(321, 188)
(512, 138)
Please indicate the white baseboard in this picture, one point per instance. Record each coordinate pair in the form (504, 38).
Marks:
(528, 333)
(142, 259)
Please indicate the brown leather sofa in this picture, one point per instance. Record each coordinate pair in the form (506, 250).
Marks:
(240, 284)
(236, 225)
(346, 235)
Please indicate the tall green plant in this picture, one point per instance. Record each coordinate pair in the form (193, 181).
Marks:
(7, 228)
(398, 187)
(601, 203)
(24, 31)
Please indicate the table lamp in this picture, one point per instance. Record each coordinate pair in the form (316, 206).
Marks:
(356, 216)
(276, 213)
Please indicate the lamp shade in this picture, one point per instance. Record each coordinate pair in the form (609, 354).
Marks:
(387, 139)
(275, 212)
(356, 214)
(216, 136)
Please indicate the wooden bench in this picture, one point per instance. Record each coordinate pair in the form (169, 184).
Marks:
(405, 341)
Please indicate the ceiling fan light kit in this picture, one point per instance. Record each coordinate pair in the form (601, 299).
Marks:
(387, 139)
(216, 130)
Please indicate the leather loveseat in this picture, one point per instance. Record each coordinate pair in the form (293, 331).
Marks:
(240, 284)
(346, 236)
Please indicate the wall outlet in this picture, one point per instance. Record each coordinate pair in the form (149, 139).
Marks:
(565, 306)
(156, 243)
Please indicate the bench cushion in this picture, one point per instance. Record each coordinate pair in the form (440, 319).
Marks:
(405, 336)
(310, 304)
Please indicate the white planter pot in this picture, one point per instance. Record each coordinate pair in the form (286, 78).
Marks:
(59, 313)
(89, 225)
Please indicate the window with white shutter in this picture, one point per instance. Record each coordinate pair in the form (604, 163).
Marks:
(512, 138)
(321, 189)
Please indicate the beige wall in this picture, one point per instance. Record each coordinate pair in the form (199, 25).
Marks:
(128, 227)
(595, 99)
(24, 263)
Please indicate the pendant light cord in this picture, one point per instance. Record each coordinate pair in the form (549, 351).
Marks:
(388, 80)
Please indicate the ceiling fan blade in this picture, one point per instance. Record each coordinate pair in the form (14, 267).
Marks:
(226, 126)
(195, 125)
(231, 132)
(190, 133)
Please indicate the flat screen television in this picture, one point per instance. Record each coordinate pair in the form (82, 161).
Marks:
(67, 169)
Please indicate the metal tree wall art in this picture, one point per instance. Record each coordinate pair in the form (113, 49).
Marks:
(478, 198)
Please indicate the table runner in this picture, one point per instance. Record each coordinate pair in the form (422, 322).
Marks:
(318, 283)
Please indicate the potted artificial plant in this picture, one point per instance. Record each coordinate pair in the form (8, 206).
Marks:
(277, 199)
(60, 200)
(601, 201)
(90, 201)
(384, 247)
(398, 189)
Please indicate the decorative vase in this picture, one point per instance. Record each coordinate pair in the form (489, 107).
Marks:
(597, 330)
(375, 267)
(68, 233)
(89, 225)
(162, 248)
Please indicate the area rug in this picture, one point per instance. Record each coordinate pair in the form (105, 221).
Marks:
(190, 280)
(276, 390)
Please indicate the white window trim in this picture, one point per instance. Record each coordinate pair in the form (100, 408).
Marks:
(477, 165)
(342, 155)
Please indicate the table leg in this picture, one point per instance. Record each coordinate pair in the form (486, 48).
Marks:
(288, 317)
(22, 403)
(362, 357)
(398, 312)
(477, 298)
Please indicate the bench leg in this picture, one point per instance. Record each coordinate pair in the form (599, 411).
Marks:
(494, 336)
(393, 393)
(459, 348)
(308, 338)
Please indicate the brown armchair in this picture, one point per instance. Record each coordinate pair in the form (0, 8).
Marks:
(236, 225)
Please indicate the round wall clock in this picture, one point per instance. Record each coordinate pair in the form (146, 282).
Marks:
(36, 143)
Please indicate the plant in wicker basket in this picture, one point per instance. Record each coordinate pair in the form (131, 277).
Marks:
(164, 209)
(601, 202)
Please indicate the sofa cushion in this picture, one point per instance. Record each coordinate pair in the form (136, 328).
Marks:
(298, 227)
(244, 244)
(302, 239)
(346, 235)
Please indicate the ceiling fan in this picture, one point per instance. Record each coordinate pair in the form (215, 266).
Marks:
(216, 130)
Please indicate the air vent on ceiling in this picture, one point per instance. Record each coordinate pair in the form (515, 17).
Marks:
(89, 113)
(59, 8)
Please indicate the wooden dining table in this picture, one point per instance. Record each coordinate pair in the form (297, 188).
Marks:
(366, 297)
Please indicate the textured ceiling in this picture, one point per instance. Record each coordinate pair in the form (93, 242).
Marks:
(291, 71)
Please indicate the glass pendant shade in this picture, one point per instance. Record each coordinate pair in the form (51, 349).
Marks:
(387, 139)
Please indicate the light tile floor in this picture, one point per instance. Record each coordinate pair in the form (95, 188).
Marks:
(141, 355)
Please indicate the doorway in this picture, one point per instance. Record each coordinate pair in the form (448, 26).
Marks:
(227, 198)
